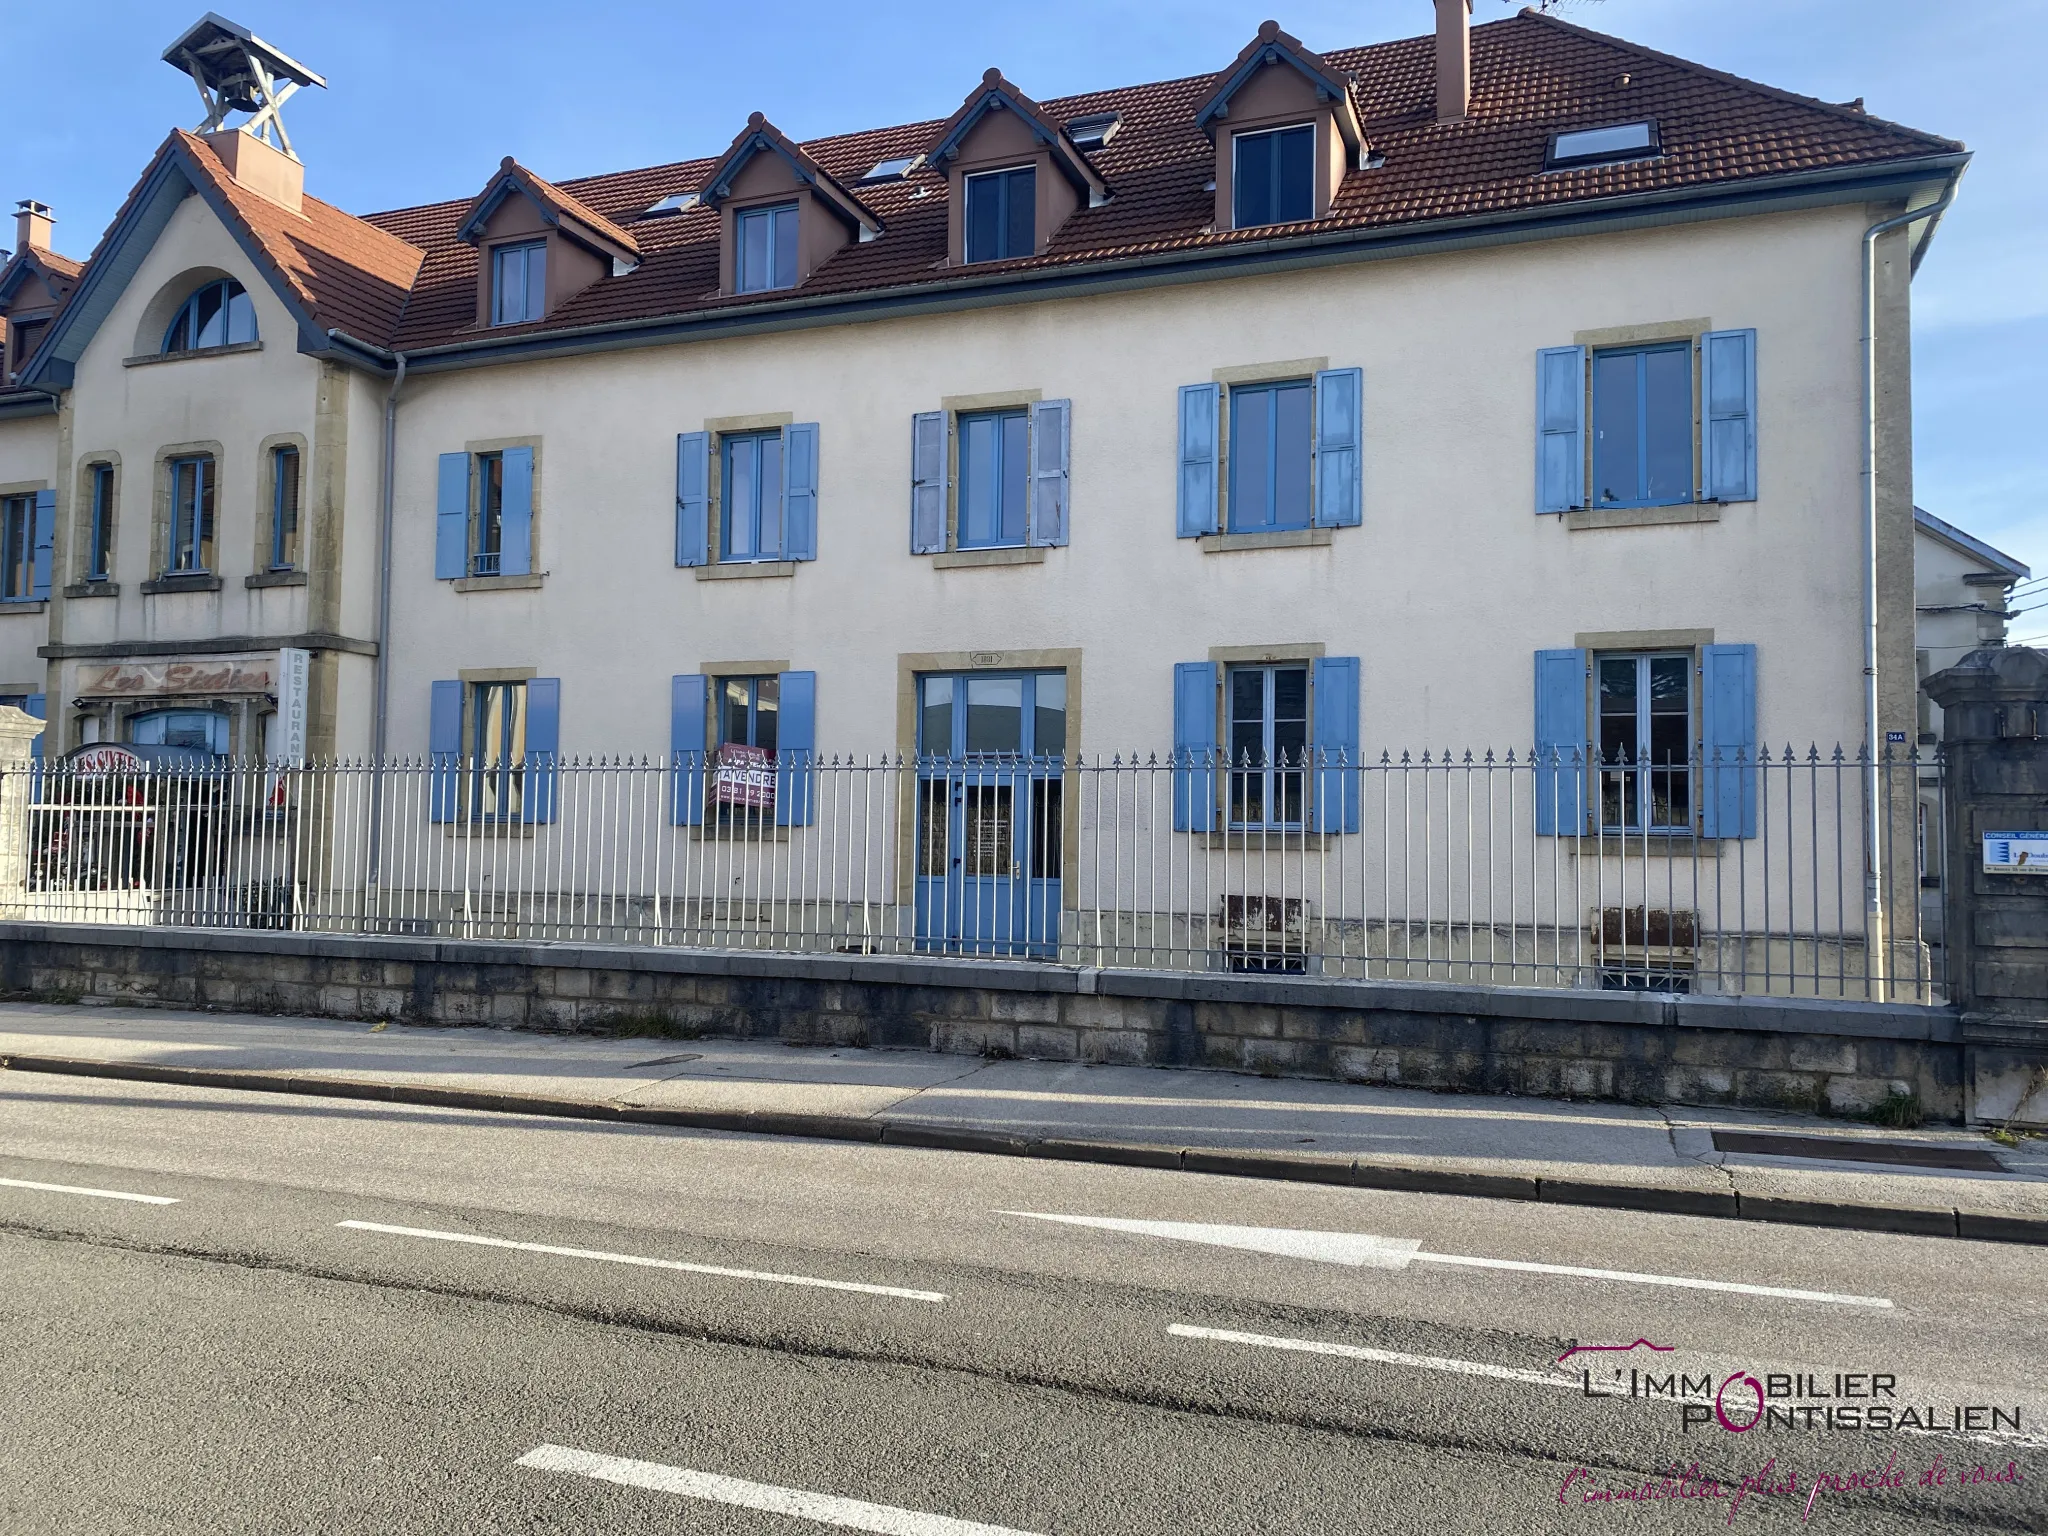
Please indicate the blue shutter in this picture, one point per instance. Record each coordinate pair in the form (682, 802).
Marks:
(36, 704)
(687, 714)
(796, 742)
(1560, 429)
(1050, 426)
(693, 498)
(1335, 744)
(1201, 411)
(1728, 750)
(1195, 746)
(543, 748)
(515, 546)
(928, 482)
(1339, 453)
(800, 491)
(1561, 744)
(444, 744)
(1728, 385)
(451, 518)
(42, 540)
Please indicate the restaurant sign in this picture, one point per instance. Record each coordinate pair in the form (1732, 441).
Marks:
(157, 679)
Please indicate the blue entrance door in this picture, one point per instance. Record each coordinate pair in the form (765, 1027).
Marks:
(991, 803)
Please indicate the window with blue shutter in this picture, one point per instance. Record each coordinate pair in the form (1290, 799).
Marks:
(1195, 746)
(451, 518)
(750, 498)
(1728, 386)
(1560, 429)
(796, 772)
(1728, 741)
(515, 523)
(42, 543)
(543, 748)
(689, 695)
(1271, 452)
(995, 478)
(1334, 741)
(1051, 424)
(928, 482)
(1201, 409)
(1643, 426)
(693, 498)
(1561, 742)
(444, 748)
(1339, 456)
(800, 491)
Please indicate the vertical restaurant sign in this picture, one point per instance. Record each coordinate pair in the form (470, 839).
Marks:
(293, 665)
(744, 776)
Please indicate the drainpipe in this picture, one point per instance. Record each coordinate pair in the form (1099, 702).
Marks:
(380, 719)
(1872, 734)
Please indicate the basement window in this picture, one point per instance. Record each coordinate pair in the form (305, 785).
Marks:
(1601, 146)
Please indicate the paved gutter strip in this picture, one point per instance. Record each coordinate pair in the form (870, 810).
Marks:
(1920, 1221)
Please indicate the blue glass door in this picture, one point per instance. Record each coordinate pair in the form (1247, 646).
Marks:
(990, 812)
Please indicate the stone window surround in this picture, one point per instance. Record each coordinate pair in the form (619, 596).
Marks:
(1305, 652)
(24, 488)
(535, 577)
(470, 826)
(1596, 643)
(1650, 332)
(261, 574)
(80, 553)
(718, 428)
(160, 509)
(708, 829)
(953, 557)
(1226, 542)
(910, 665)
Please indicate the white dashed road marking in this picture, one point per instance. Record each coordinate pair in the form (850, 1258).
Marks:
(1361, 1250)
(97, 1194)
(1379, 1356)
(645, 1263)
(848, 1514)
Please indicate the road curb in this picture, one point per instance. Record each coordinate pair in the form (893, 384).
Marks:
(1919, 1221)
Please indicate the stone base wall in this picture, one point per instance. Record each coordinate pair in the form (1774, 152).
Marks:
(1797, 1054)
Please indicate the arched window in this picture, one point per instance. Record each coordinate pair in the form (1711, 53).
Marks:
(220, 314)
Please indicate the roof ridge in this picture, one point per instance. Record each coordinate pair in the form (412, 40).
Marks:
(1726, 77)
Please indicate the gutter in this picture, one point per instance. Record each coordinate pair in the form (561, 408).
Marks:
(1874, 828)
(381, 717)
(45, 404)
(1861, 183)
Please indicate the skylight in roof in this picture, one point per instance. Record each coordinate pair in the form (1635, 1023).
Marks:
(1592, 146)
(893, 170)
(1095, 130)
(675, 202)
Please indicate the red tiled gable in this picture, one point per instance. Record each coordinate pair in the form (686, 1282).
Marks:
(349, 274)
(403, 279)
(556, 201)
(1532, 77)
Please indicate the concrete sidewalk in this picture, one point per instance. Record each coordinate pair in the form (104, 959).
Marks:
(1601, 1154)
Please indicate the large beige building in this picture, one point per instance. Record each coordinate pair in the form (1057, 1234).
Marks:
(1499, 387)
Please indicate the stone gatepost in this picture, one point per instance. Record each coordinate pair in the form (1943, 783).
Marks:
(18, 731)
(1995, 753)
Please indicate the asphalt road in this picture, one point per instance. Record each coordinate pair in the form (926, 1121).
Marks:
(685, 1332)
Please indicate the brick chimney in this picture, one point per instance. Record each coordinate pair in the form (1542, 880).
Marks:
(1453, 59)
(255, 165)
(32, 223)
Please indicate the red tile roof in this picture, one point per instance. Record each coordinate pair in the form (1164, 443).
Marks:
(403, 279)
(556, 201)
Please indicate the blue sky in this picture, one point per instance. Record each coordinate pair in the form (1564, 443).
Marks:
(425, 98)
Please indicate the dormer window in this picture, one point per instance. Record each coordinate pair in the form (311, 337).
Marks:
(766, 252)
(220, 314)
(1002, 214)
(1274, 180)
(519, 277)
